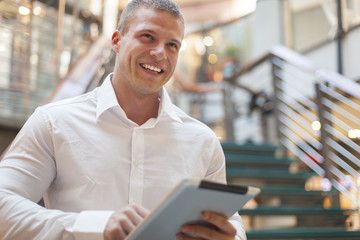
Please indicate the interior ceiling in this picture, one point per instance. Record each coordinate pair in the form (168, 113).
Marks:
(181, 3)
(185, 3)
(194, 11)
(198, 11)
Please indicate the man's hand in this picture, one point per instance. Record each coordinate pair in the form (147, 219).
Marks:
(123, 221)
(222, 229)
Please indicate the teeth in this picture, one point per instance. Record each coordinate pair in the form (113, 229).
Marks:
(152, 68)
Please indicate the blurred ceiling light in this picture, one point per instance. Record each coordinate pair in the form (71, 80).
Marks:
(96, 7)
(354, 133)
(208, 41)
(212, 58)
(24, 10)
(86, 14)
(358, 181)
(5, 35)
(37, 11)
(200, 48)
(243, 7)
(218, 76)
(34, 59)
(183, 45)
(316, 125)
(2, 48)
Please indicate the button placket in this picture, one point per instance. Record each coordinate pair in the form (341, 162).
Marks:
(137, 170)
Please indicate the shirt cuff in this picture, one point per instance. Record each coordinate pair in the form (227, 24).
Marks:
(236, 221)
(90, 225)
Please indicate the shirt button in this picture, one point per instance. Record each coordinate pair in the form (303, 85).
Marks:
(136, 163)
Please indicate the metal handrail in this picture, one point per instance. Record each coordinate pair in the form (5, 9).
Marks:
(303, 94)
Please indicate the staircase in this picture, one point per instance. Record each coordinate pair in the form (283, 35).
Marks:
(284, 209)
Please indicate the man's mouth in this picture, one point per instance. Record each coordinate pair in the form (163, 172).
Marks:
(151, 68)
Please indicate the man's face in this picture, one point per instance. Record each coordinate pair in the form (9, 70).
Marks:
(148, 52)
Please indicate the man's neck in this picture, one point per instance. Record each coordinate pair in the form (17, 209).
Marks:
(140, 110)
(137, 107)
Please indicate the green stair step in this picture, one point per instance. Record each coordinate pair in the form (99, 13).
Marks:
(292, 196)
(258, 163)
(296, 211)
(301, 233)
(239, 172)
(234, 158)
(249, 147)
(293, 190)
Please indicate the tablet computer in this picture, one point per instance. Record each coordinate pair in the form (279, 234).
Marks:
(186, 203)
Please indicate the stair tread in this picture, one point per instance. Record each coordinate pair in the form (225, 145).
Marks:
(294, 211)
(234, 157)
(292, 190)
(232, 171)
(233, 146)
(258, 165)
(302, 232)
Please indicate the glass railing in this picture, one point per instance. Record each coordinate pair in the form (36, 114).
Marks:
(39, 45)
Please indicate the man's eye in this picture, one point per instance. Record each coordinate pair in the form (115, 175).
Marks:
(146, 35)
(173, 45)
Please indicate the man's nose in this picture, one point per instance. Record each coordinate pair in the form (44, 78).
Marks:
(158, 52)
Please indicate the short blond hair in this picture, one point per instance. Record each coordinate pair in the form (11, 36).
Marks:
(128, 14)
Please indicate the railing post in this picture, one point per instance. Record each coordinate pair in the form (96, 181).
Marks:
(340, 35)
(59, 36)
(324, 135)
(276, 81)
(264, 127)
(229, 114)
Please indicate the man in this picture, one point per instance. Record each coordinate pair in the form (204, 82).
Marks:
(123, 146)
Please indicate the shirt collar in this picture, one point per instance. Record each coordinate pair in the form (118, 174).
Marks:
(107, 100)
(166, 106)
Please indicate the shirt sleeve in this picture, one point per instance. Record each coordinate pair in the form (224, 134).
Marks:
(215, 155)
(217, 172)
(236, 221)
(26, 173)
(90, 225)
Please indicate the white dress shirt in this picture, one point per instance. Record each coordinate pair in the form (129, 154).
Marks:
(87, 159)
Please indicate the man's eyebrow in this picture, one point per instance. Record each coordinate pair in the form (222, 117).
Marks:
(177, 41)
(174, 40)
(147, 30)
(153, 32)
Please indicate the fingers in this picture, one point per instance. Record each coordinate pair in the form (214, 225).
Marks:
(123, 221)
(182, 236)
(220, 221)
(143, 212)
(199, 231)
(218, 227)
(117, 227)
(135, 213)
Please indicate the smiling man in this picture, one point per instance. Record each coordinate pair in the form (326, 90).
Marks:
(104, 160)
(147, 51)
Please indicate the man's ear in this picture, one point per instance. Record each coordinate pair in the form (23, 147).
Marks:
(115, 41)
